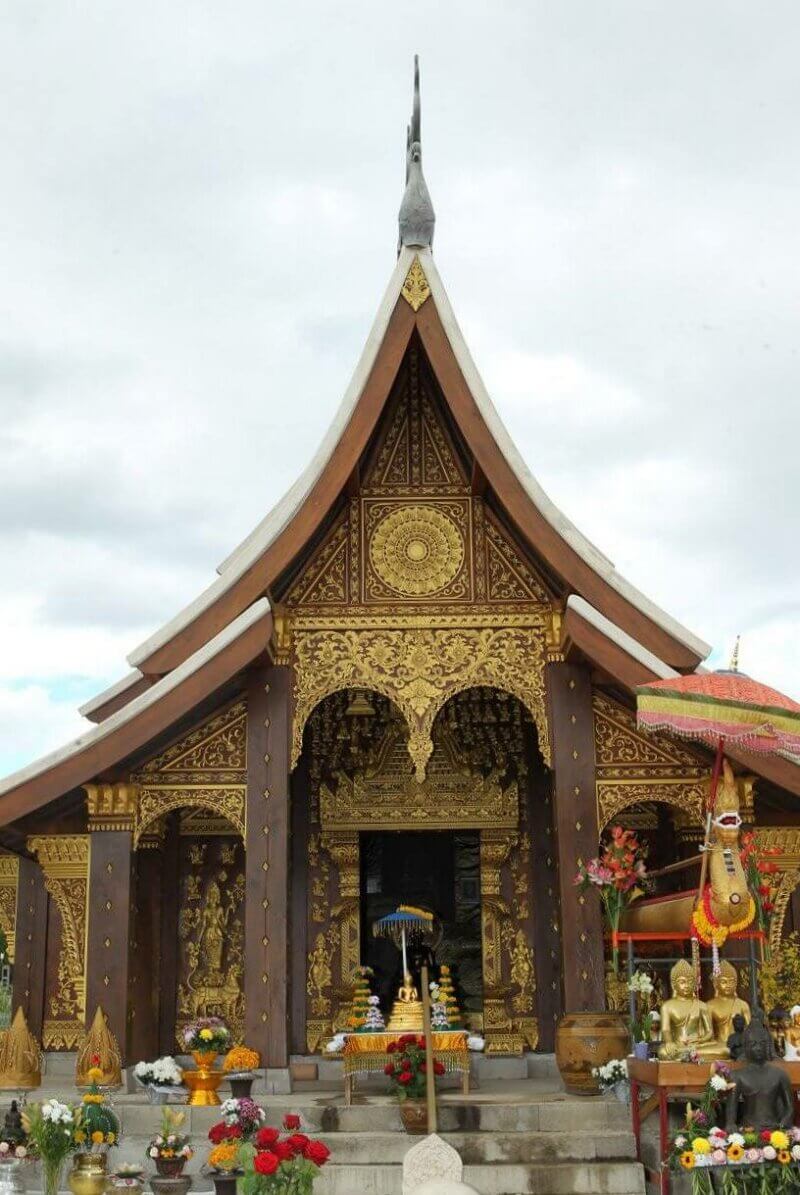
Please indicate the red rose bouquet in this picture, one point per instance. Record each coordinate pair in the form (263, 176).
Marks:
(407, 1068)
(281, 1160)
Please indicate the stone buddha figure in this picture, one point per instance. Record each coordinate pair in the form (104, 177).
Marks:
(686, 1022)
(726, 1003)
(13, 1129)
(761, 1096)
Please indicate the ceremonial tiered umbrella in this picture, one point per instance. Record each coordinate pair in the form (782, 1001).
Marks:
(721, 707)
(406, 922)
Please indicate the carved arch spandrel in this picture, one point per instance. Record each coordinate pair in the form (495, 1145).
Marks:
(419, 669)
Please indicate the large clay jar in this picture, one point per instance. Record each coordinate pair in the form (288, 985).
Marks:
(414, 1115)
(587, 1039)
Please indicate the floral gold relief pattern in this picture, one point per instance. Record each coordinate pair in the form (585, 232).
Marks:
(415, 288)
(9, 883)
(420, 670)
(416, 550)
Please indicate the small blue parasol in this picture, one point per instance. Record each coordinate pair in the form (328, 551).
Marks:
(407, 920)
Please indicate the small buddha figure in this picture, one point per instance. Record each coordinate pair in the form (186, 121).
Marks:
(792, 1033)
(686, 1024)
(761, 1096)
(735, 1042)
(408, 992)
(13, 1129)
(726, 1003)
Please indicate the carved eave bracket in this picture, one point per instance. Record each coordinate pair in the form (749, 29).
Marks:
(112, 806)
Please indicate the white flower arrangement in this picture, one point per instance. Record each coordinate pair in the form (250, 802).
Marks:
(336, 1044)
(56, 1112)
(641, 982)
(475, 1043)
(611, 1073)
(164, 1072)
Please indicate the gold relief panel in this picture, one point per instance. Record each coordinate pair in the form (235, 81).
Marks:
(417, 550)
(415, 290)
(785, 839)
(420, 670)
(9, 883)
(64, 859)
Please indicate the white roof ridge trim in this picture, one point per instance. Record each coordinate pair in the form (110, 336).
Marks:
(152, 695)
(634, 649)
(112, 691)
(271, 526)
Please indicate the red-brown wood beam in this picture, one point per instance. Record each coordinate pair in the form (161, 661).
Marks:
(30, 950)
(108, 936)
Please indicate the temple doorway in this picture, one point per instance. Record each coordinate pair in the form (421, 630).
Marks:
(439, 871)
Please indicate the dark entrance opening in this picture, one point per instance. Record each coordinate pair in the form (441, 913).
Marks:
(439, 870)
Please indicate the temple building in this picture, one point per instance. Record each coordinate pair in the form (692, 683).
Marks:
(413, 682)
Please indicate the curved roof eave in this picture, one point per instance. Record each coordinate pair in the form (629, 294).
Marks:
(141, 719)
(273, 526)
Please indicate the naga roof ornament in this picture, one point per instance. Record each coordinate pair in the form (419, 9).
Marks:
(417, 218)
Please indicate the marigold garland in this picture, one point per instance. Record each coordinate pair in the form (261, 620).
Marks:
(706, 927)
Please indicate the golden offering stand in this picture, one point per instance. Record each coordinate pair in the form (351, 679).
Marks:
(204, 1082)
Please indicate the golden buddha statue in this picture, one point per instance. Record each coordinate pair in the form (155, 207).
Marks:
(686, 1024)
(407, 1009)
(726, 1003)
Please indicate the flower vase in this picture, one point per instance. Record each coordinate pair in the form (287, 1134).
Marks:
(241, 1086)
(414, 1115)
(89, 1174)
(204, 1081)
(224, 1182)
(11, 1179)
(641, 1050)
(622, 1091)
(51, 1177)
(170, 1167)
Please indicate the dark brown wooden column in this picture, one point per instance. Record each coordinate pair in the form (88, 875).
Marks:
(144, 977)
(266, 973)
(30, 950)
(168, 937)
(299, 908)
(545, 890)
(569, 691)
(111, 809)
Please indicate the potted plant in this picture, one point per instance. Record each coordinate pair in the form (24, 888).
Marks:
(162, 1080)
(169, 1149)
(640, 985)
(407, 1071)
(96, 1131)
(282, 1160)
(241, 1120)
(128, 1177)
(50, 1127)
(612, 1077)
(205, 1039)
(240, 1065)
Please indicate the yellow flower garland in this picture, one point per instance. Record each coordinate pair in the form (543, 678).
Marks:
(711, 932)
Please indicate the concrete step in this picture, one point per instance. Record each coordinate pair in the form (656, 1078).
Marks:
(599, 1178)
(361, 1149)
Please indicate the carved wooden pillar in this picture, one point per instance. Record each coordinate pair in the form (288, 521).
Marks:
(144, 974)
(266, 973)
(30, 945)
(569, 691)
(497, 1021)
(112, 813)
(344, 849)
(168, 936)
(544, 867)
(299, 921)
(64, 859)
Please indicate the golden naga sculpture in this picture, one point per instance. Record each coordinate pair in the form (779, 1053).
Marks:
(725, 904)
(99, 1049)
(20, 1056)
(686, 1022)
(726, 1003)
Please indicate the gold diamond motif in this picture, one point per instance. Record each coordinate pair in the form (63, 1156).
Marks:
(415, 288)
(416, 550)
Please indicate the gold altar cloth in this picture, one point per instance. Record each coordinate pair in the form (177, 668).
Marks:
(365, 1053)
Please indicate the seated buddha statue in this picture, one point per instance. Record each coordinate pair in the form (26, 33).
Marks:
(725, 1004)
(686, 1024)
(406, 1015)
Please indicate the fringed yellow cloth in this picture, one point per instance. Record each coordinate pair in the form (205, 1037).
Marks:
(365, 1053)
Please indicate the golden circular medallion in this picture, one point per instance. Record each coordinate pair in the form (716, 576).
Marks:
(416, 550)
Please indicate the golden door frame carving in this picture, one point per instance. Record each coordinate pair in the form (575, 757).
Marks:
(419, 668)
(9, 884)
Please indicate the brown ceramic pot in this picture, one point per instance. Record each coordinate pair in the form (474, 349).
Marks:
(587, 1039)
(170, 1167)
(414, 1115)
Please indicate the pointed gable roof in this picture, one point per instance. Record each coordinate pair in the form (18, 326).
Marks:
(416, 299)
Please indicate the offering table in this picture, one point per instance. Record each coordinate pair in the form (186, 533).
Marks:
(365, 1054)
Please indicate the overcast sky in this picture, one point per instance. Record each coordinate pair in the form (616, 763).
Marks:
(197, 221)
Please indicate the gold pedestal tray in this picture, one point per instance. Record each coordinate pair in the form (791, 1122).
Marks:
(204, 1082)
(406, 1017)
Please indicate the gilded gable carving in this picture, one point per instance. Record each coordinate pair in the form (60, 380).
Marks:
(634, 767)
(508, 577)
(205, 769)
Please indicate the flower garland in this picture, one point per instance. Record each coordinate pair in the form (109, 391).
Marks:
(708, 930)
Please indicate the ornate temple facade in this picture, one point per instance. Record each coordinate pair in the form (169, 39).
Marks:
(414, 682)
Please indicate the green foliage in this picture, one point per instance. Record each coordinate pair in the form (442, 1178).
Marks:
(779, 976)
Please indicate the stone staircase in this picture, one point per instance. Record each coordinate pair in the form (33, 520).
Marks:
(517, 1132)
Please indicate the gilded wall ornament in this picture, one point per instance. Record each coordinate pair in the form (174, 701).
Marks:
(416, 550)
(787, 840)
(9, 883)
(420, 670)
(415, 289)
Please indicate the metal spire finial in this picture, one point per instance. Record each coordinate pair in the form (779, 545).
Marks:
(734, 664)
(417, 218)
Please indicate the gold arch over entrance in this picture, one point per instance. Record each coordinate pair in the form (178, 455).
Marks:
(419, 668)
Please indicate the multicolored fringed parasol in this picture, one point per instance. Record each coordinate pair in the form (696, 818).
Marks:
(407, 922)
